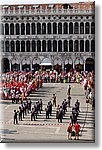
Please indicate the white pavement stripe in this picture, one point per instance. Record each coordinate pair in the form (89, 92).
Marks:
(57, 130)
(7, 107)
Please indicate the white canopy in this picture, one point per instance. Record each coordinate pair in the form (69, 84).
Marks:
(45, 64)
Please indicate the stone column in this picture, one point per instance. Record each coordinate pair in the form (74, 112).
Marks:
(14, 46)
(31, 65)
(9, 28)
(46, 28)
(89, 45)
(84, 27)
(20, 65)
(84, 65)
(46, 46)
(14, 28)
(20, 45)
(68, 45)
(4, 28)
(19, 28)
(73, 27)
(79, 28)
(35, 28)
(57, 45)
(41, 45)
(62, 65)
(73, 64)
(25, 46)
(10, 64)
(68, 27)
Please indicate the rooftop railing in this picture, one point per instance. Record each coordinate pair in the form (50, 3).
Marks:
(46, 11)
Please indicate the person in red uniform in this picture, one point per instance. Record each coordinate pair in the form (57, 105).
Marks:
(69, 130)
(77, 129)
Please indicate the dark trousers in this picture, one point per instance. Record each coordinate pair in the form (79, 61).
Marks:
(60, 119)
(15, 120)
(32, 117)
(20, 116)
(47, 115)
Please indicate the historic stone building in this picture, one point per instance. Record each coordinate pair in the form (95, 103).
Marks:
(57, 36)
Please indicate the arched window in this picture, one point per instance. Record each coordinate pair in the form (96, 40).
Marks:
(65, 26)
(12, 46)
(43, 46)
(81, 45)
(6, 29)
(28, 46)
(54, 28)
(17, 46)
(38, 28)
(70, 46)
(11, 29)
(54, 46)
(17, 29)
(33, 28)
(87, 46)
(22, 29)
(22, 46)
(49, 46)
(76, 28)
(43, 28)
(33, 46)
(93, 46)
(7, 46)
(38, 46)
(81, 28)
(28, 29)
(76, 46)
(65, 46)
(87, 27)
(49, 28)
(59, 28)
(92, 28)
(60, 46)
(70, 28)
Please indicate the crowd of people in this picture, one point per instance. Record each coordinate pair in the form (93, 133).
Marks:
(18, 86)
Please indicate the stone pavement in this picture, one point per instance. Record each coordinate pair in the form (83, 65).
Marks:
(48, 130)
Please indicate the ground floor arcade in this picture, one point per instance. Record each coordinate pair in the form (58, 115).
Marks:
(59, 63)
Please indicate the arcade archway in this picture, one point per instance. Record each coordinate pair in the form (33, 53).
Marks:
(35, 67)
(79, 65)
(68, 66)
(89, 64)
(15, 65)
(58, 65)
(26, 65)
(36, 64)
(5, 65)
(46, 64)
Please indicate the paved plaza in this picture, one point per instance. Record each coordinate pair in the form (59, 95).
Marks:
(48, 130)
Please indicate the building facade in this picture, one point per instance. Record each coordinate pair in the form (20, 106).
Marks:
(48, 36)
